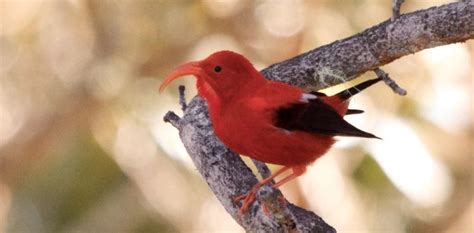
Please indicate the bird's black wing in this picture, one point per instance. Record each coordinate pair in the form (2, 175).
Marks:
(316, 117)
(349, 111)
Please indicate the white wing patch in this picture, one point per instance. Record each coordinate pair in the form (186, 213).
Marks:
(305, 97)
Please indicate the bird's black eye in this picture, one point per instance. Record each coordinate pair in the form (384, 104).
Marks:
(217, 69)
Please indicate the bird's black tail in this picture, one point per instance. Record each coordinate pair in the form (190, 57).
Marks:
(348, 93)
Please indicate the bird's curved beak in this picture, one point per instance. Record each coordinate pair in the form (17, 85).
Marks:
(190, 68)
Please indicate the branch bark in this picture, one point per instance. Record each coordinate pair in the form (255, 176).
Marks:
(341, 61)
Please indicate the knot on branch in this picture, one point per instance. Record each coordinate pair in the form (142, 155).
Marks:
(274, 205)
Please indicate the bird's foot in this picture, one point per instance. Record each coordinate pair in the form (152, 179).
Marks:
(247, 198)
(270, 208)
(266, 210)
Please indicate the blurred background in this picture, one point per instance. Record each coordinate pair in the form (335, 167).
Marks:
(83, 147)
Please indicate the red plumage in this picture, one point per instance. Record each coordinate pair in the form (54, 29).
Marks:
(247, 126)
(269, 121)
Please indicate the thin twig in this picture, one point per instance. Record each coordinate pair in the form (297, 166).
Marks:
(170, 116)
(262, 169)
(396, 5)
(182, 97)
(390, 82)
(173, 119)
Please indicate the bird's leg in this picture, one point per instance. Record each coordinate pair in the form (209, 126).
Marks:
(297, 171)
(261, 183)
(250, 196)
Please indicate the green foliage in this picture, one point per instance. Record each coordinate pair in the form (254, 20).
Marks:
(71, 184)
(371, 176)
(152, 225)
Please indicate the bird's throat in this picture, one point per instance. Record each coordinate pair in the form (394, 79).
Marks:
(210, 95)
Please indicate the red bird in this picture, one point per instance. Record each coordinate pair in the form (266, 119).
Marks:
(269, 121)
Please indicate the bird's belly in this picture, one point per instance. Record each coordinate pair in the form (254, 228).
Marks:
(277, 146)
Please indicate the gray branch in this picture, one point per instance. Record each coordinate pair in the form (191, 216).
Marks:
(182, 97)
(341, 61)
(390, 82)
(396, 5)
(262, 169)
(344, 60)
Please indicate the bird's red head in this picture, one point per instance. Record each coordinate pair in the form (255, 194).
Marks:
(219, 74)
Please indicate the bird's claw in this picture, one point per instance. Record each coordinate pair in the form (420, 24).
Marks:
(248, 199)
(266, 211)
(239, 198)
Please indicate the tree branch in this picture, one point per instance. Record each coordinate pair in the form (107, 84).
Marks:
(396, 5)
(390, 82)
(344, 60)
(341, 61)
